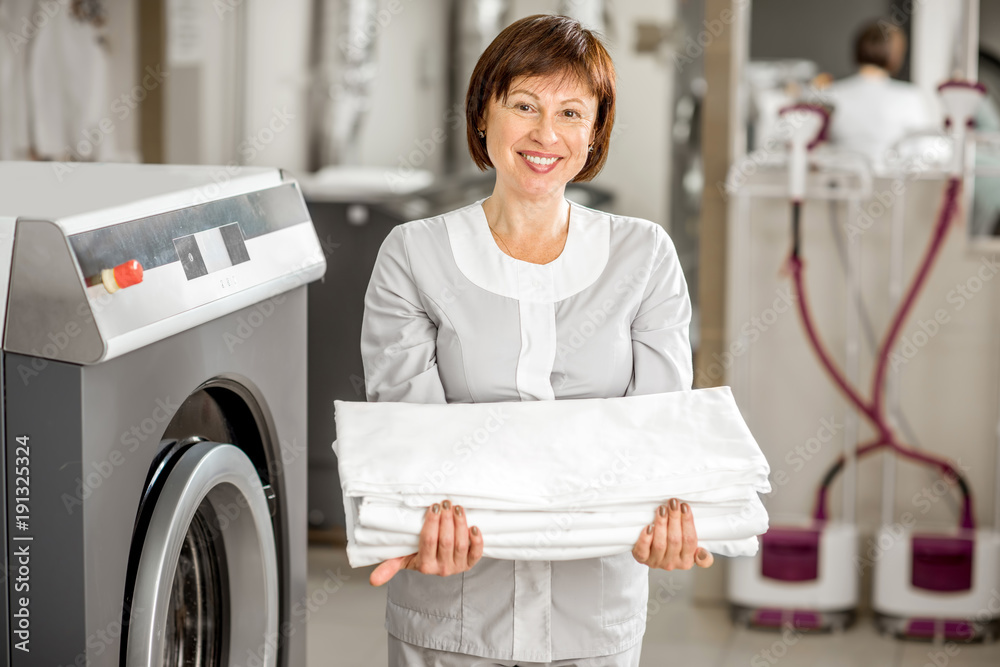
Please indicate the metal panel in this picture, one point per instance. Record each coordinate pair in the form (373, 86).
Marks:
(49, 314)
(46, 408)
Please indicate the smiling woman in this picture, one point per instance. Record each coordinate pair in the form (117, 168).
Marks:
(532, 271)
(552, 51)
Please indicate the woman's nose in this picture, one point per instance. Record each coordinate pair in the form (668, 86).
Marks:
(544, 131)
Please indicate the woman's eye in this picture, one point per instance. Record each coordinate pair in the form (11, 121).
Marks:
(571, 113)
(524, 107)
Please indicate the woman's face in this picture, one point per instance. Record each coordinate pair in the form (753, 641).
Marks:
(538, 139)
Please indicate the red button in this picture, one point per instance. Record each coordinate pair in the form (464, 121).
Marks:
(128, 274)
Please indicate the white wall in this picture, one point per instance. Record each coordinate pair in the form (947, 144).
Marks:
(277, 83)
(408, 97)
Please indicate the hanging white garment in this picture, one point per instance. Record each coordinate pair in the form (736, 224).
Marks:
(550, 480)
(17, 29)
(68, 90)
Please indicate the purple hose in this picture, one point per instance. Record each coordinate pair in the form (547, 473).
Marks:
(875, 410)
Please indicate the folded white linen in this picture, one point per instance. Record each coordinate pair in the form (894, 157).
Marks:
(361, 555)
(606, 462)
(713, 522)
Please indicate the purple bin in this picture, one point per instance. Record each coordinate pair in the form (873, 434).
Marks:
(942, 563)
(790, 554)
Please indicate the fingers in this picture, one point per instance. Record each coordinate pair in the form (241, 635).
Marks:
(427, 555)
(658, 549)
(671, 541)
(461, 554)
(387, 570)
(446, 540)
(675, 536)
(475, 546)
(689, 544)
(643, 545)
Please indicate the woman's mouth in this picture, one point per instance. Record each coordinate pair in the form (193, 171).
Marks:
(541, 165)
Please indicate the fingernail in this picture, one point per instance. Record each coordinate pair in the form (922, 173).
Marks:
(701, 555)
(662, 509)
(673, 504)
(458, 510)
(475, 530)
(649, 529)
(685, 508)
(446, 505)
(435, 508)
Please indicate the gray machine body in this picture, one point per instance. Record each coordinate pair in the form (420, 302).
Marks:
(94, 385)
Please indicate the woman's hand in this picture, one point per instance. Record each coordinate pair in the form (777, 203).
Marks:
(670, 542)
(447, 546)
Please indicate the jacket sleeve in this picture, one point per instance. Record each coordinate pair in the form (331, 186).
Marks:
(398, 339)
(661, 347)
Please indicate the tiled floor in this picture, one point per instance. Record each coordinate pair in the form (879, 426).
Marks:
(346, 630)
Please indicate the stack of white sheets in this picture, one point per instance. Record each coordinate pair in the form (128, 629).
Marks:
(550, 480)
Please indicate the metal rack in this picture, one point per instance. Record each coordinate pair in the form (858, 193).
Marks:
(842, 176)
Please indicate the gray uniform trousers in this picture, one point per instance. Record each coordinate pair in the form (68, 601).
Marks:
(404, 654)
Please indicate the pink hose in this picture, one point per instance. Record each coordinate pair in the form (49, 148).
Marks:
(874, 410)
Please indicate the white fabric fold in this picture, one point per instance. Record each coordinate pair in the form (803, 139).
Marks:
(550, 480)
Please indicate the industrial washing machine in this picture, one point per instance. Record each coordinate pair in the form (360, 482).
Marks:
(154, 414)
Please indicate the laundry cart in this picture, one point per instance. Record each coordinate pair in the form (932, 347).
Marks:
(154, 414)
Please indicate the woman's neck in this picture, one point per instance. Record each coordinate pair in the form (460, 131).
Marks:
(872, 72)
(520, 220)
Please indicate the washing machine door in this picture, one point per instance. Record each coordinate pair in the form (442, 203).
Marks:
(206, 584)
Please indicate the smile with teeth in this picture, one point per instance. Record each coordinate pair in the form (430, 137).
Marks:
(541, 161)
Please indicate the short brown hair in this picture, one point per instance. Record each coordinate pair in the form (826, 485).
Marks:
(541, 45)
(873, 45)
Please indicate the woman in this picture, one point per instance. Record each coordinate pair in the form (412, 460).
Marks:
(872, 111)
(526, 296)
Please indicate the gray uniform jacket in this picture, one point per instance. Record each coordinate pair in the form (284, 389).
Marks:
(450, 318)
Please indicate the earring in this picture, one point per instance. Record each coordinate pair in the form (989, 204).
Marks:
(591, 149)
(481, 134)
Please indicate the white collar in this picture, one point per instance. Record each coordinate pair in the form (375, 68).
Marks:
(483, 262)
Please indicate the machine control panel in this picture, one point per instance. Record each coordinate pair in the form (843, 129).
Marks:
(180, 267)
(211, 250)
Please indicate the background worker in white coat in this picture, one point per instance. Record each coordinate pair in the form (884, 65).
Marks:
(486, 303)
(872, 111)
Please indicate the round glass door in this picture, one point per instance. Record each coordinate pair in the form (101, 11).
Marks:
(206, 585)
